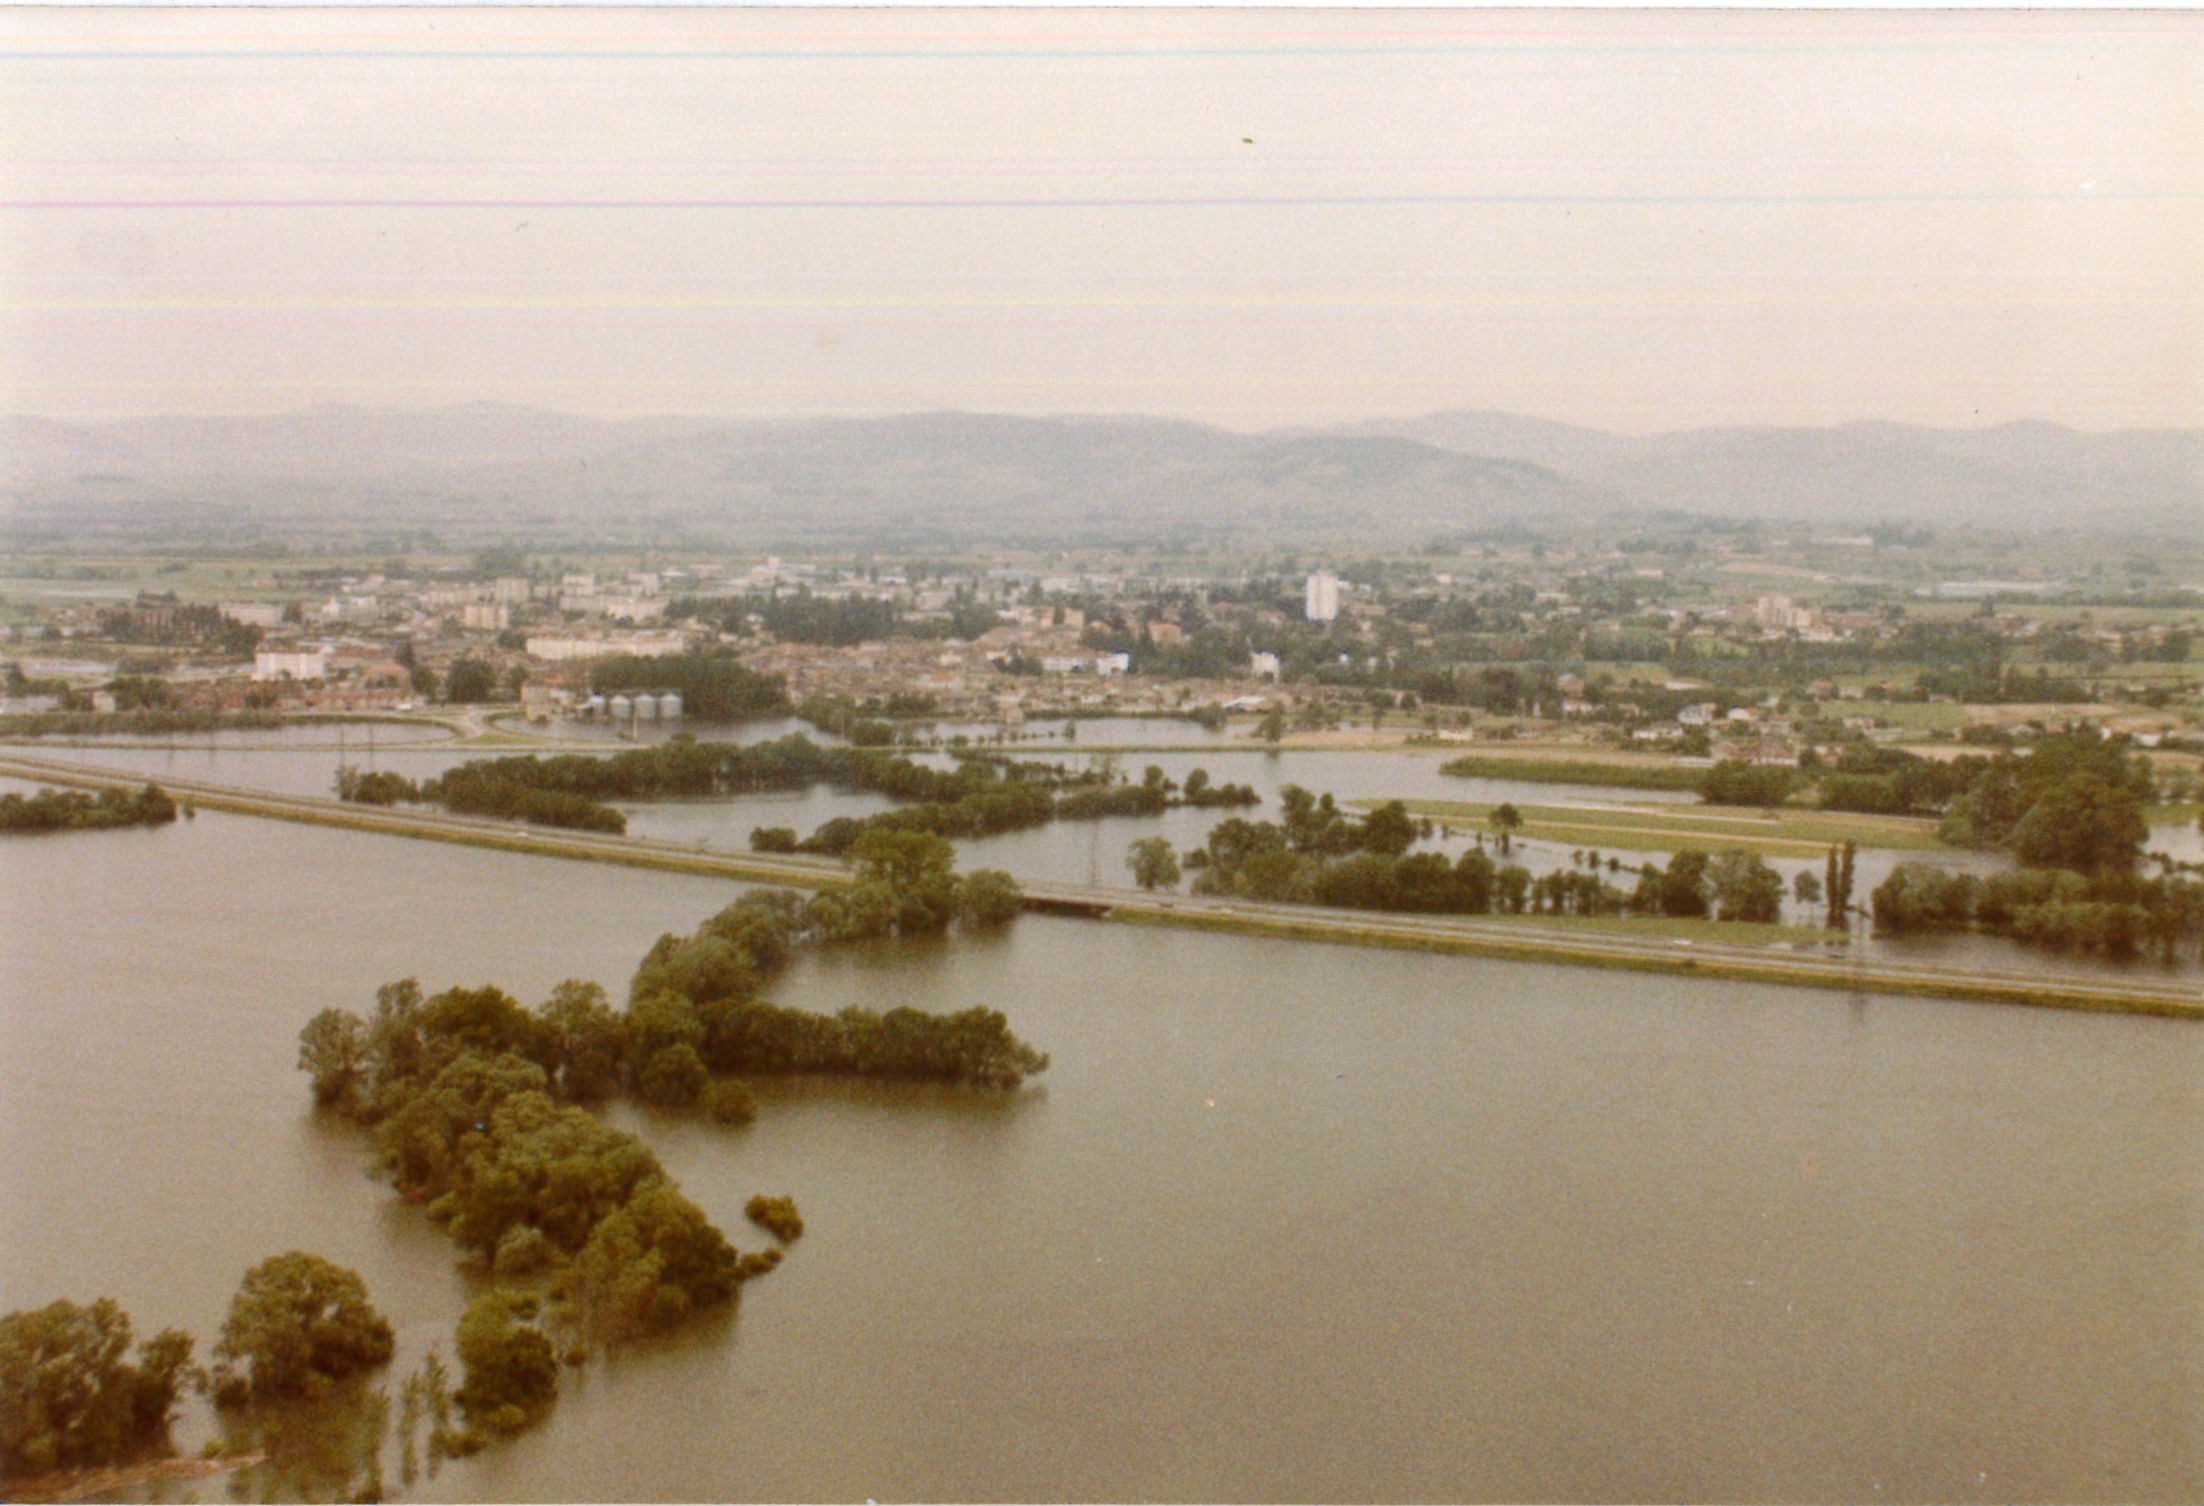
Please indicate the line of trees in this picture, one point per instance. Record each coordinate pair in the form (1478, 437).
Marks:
(2109, 914)
(1020, 802)
(1319, 855)
(682, 767)
(80, 810)
(143, 720)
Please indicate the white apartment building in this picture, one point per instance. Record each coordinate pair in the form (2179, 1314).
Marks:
(1323, 597)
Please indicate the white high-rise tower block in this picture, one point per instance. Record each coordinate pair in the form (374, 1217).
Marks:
(1323, 604)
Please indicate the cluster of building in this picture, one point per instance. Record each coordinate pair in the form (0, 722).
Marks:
(1000, 641)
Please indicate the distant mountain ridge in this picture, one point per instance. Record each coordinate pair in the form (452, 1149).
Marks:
(2028, 472)
(1015, 477)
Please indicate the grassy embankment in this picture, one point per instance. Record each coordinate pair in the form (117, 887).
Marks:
(1540, 944)
(1775, 834)
(1643, 774)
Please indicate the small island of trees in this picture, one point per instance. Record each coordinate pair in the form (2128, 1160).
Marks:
(480, 1109)
(2071, 812)
(78, 810)
(980, 796)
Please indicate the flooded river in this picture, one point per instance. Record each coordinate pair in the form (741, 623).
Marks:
(1282, 1221)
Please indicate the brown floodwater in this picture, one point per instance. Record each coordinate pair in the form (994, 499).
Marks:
(1281, 1221)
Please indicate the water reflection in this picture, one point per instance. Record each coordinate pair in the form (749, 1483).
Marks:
(324, 1448)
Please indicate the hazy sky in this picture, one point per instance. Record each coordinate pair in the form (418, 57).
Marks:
(1629, 219)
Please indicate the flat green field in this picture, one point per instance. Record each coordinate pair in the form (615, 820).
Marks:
(1912, 716)
(1643, 774)
(1776, 834)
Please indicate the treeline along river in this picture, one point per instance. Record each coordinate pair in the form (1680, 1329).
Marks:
(1281, 1220)
(1094, 851)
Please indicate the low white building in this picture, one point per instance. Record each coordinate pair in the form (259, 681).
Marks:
(1263, 666)
(640, 645)
(282, 664)
(352, 609)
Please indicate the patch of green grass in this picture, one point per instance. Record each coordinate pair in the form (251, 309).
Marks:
(1782, 834)
(1910, 716)
(1645, 774)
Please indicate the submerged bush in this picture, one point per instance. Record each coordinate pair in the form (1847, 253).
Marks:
(728, 1101)
(511, 1370)
(777, 1214)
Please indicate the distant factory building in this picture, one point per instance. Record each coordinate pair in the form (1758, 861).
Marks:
(1323, 597)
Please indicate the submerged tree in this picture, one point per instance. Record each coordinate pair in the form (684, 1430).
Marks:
(1154, 864)
(297, 1322)
(1506, 820)
(71, 1398)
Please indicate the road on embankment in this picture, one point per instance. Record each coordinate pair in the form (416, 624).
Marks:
(1523, 939)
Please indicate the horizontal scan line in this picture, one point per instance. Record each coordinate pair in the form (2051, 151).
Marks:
(1151, 201)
